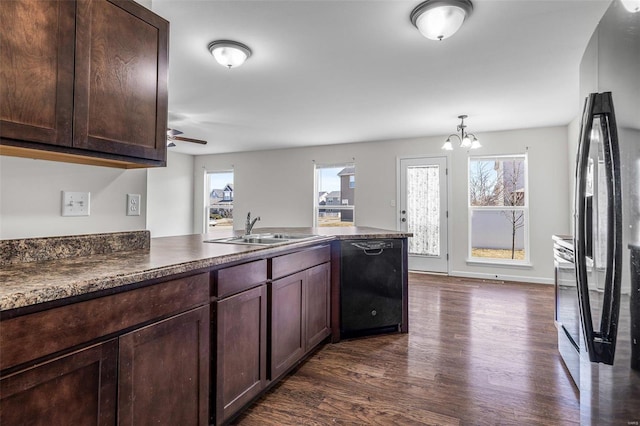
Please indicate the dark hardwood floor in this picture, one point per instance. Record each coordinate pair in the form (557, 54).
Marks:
(478, 353)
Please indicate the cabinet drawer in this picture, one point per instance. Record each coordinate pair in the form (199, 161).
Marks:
(32, 336)
(235, 279)
(290, 263)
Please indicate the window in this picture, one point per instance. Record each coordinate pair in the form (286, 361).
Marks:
(335, 195)
(498, 209)
(219, 204)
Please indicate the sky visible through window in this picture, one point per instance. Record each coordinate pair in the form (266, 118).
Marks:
(218, 180)
(328, 179)
(484, 166)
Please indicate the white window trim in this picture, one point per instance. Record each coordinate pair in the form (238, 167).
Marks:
(316, 190)
(207, 192)
(526, 262)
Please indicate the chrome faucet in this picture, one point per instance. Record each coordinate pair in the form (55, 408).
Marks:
(250, 223)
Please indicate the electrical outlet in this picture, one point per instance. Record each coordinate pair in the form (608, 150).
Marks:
(133, 205)
(76, 203)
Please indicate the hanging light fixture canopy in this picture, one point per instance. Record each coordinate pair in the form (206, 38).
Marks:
(229, 53)
(467, 140)
(440, 19)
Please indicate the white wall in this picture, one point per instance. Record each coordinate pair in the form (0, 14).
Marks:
(548, 205)
(30, 198)
(170, 197)
(278, 186)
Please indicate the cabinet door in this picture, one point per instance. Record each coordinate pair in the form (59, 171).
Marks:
(287, 322)
(36, 70)
(76, 389)
(317, 306)
(120, 98)
(164, 372)
(240, 351)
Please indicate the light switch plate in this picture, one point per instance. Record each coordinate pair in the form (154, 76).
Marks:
(133, 205)
(76, 203)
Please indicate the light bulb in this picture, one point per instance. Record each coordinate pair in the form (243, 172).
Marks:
(229, 57)
(447, 145)
(466, 142)
(475, 143)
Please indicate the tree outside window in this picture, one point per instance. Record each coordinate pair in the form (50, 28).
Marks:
(498, 208)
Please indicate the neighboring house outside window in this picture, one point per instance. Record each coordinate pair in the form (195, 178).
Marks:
(347, 191)
(335, 189)
(498, 209)
(219, 212)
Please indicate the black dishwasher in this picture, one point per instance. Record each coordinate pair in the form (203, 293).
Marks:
(370, 287)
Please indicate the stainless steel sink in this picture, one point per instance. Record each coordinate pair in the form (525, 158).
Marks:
(263, 239)
(293, 236)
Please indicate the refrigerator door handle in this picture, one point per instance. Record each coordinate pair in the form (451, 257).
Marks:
(581, 223)
(600, 344)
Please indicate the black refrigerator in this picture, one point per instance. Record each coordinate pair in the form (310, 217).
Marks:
(607, 220)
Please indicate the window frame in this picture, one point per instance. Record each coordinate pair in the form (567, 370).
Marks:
(525, 208)
(207, 194)
(338, 205)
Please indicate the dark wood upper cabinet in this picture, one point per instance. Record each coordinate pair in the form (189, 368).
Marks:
(120, 96)
(84, 81)
(36, 70)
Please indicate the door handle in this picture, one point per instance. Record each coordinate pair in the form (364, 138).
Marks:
(600, 344)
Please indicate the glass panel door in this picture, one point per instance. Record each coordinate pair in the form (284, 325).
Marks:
(423, 209)
(423, 212)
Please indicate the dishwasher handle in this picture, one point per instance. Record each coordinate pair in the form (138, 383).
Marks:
(373, 248)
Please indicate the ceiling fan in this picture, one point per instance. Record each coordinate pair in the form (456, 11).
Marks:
(172, 136)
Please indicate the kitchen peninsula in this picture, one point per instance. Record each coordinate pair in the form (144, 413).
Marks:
(178, 329)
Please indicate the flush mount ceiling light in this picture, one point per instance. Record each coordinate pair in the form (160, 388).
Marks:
(229, 53)
(632, 6)
(467, 140)
(440, 19)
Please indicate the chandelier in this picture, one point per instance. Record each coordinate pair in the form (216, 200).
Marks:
(467, 140)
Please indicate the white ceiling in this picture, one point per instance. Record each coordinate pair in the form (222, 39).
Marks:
(330, 71)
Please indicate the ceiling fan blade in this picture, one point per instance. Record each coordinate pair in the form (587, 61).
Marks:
(180, 138)
(173, 132)
(171, 145)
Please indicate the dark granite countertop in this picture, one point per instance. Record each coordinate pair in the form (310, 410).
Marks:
(33, 282)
